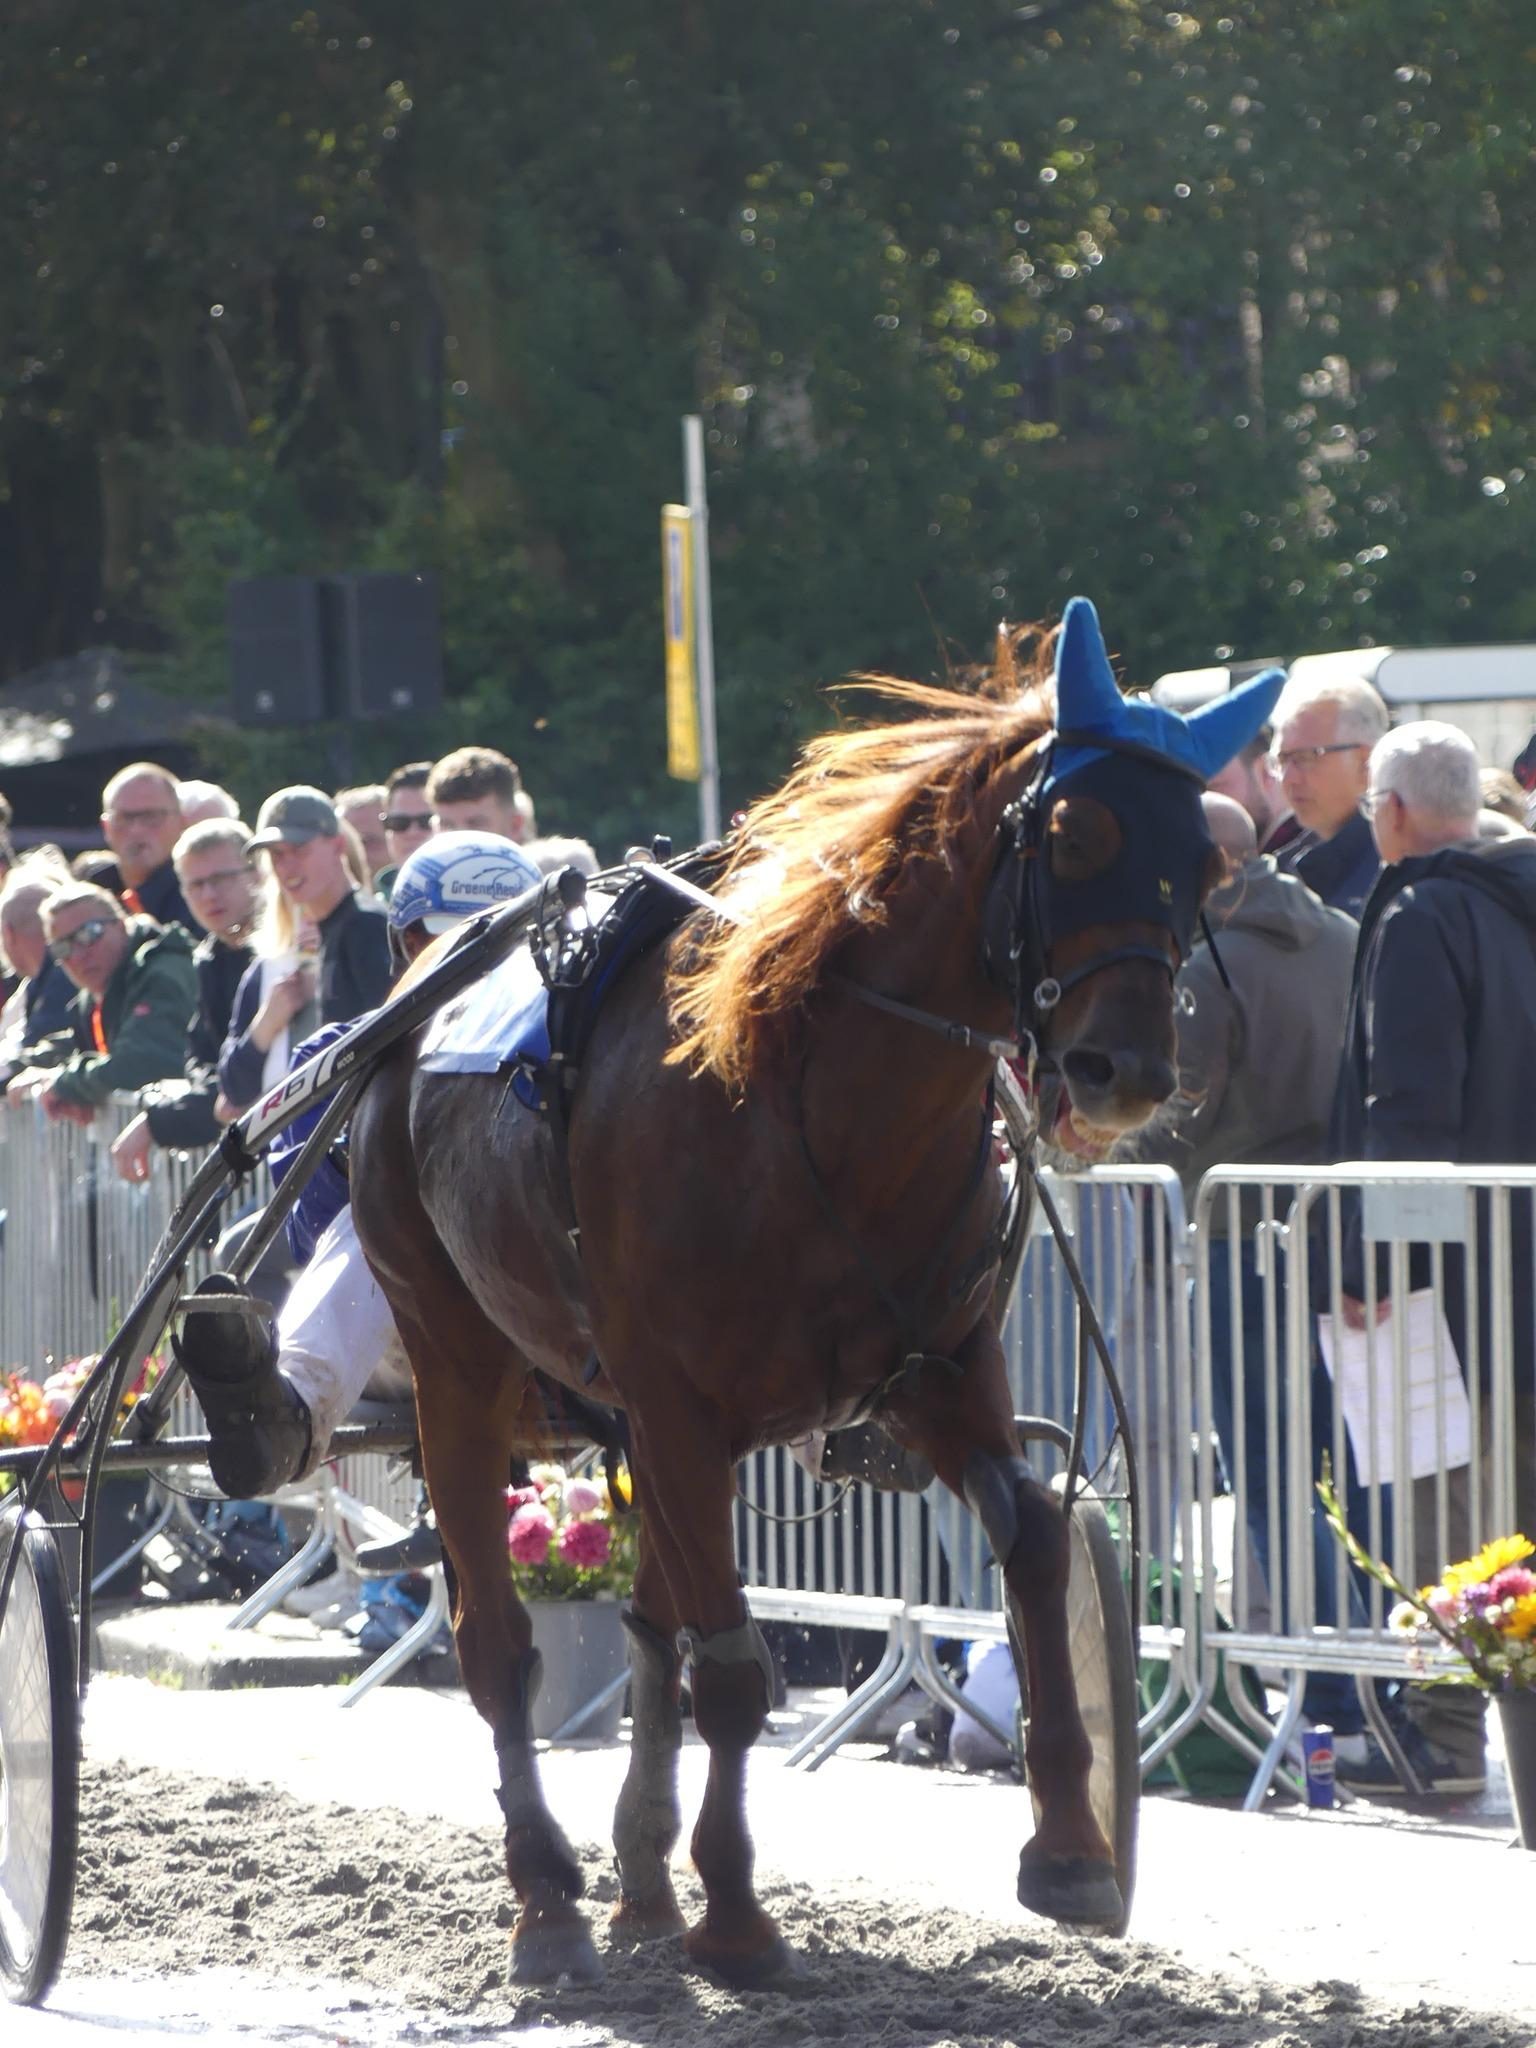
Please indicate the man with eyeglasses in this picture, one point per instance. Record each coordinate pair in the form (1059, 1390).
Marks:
(219, 880)
(1322, 757)
(128, 1023)
(141, 821)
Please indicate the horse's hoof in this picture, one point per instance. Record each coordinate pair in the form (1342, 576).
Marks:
(555, 1951)
(762, 1967)
(636, 1923)
(1078, 1891)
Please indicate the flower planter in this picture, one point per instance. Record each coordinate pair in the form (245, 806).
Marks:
(584, 1648)
(1517, 1716)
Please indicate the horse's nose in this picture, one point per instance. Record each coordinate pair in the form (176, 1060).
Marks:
(1117, 1087)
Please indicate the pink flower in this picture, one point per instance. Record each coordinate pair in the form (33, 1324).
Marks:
(1442, 1604)
(1513, 1583)
(582, 1497)
(585, 1545)
(528, 1537)
(522, 1497)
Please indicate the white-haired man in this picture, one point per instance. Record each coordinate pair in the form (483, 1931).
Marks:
(1322, 752)
(1439, 1050)
(44, 992)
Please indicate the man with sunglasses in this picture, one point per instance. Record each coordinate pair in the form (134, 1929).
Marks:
(128, 1024)
(220, 881)
(1322, 757)
(407, 820)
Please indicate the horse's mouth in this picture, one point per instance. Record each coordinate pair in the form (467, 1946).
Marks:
(1080, 1140)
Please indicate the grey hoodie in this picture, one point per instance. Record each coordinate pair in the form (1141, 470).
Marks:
(1257, 1063)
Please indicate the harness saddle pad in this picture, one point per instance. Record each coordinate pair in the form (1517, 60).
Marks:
(499, 1021)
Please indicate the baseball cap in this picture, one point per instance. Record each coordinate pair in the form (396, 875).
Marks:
(294, 816)
(457, 875)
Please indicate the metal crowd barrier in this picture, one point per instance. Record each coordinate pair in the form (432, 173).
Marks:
(1213, 1331)
(76, 1242)
(1427, 1415)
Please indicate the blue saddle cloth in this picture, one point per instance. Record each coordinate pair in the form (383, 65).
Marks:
(499, 1020)
(502, 1020)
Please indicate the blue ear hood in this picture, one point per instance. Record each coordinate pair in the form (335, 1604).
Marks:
(1088, 703)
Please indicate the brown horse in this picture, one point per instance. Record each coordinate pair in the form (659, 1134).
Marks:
(785, 1218)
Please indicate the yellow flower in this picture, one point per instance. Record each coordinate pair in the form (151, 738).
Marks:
(1502, 1551)
(1493, 1557)
(1520, 1621)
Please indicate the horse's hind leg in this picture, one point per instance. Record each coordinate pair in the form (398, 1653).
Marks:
(648, 1818)
(965, 1426)
(470, 1401)
(688, 1490)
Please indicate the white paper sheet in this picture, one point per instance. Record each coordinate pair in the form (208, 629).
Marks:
(1432, 1378)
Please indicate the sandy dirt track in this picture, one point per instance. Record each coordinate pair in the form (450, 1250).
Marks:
(381, 1925)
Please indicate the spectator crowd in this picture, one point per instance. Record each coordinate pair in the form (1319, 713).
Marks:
(183, 961)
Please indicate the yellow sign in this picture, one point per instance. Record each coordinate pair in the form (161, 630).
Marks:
(682, 665)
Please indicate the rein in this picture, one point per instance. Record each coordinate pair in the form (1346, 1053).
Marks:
(964, 1035)
(949, 1029)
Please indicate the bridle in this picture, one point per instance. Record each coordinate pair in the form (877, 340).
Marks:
(1018, 930)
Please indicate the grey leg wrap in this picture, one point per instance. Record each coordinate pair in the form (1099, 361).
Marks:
(991, 1493)
(648, 1819)
(744, 1644)
(652, 1660)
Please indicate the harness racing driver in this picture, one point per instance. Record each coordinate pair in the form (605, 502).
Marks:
(272, 1399)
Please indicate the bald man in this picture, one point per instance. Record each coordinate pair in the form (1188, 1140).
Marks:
(1232, 828)
(1257, 1066)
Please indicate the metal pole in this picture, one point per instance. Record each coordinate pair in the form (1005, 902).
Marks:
(698, 528)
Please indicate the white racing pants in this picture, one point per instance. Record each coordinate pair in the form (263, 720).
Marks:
(336, 1337)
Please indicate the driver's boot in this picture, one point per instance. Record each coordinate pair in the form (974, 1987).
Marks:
(258, 1425)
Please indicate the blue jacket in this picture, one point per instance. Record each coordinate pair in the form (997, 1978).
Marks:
(1342, 870)
(328, 1190)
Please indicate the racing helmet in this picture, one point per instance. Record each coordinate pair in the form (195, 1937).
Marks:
(455, 876)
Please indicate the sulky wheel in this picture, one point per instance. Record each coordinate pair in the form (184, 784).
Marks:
(1104, 1671)
(39, 1760)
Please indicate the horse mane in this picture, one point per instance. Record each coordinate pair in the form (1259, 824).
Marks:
(821, 857)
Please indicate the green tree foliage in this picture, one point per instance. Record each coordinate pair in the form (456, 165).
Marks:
(1221, 316)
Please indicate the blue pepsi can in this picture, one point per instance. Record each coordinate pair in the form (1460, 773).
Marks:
(1317, 1763)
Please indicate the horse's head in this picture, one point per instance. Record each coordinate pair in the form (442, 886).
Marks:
(1105, 863)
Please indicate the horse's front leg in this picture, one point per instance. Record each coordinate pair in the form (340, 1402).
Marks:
(688, 1491)
(965, 1427)
(648, 1818)
(467, 1428)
